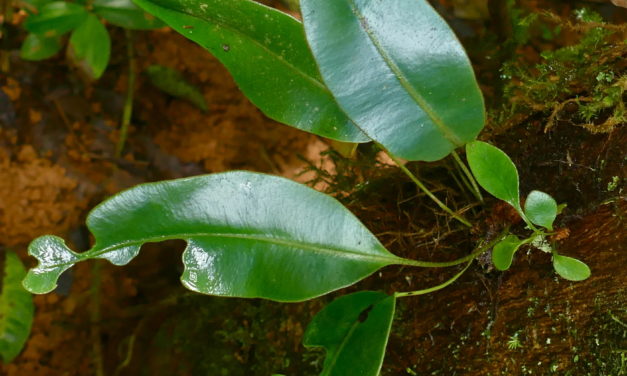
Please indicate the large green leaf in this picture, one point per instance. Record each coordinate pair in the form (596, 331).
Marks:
(266, 52)
(541, 209)
(354, 330)
(16, 307)
(125, 14)
(56, 18)
(90, 47)
(38, 47)
(494, 171)
(248, 235)
(398, 71)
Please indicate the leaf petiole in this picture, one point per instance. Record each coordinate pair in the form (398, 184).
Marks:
(462, 260)
(475, 187)
(423, 187)
(434, 288)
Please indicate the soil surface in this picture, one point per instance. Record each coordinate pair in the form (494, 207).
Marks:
(57, 161)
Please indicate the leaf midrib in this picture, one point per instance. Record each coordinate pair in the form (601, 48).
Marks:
(324, 250)
(404, 81)
(340, 348)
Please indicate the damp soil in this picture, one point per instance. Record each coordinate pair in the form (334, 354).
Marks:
(57, 145)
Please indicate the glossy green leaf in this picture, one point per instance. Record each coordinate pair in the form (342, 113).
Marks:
(56, 18)
(172, 82)
(266, 52)
(570, 268)
(503, 252)
(248, 235)
(354, 330)
(494, 171)
(541, 209)
(16, 308)
(398, 71)
(38, 47)
(124, 13)
(90, 47)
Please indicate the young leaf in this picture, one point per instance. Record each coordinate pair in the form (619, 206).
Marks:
(56, 18)
(503, 252)
(248, 235)
(570, 268)
(266, 52)
(90, 47)
(494, 171)
(38, 47)
(172, 82)
(124, 13)
(354, 330)
(541, 209)
(398, 71)
(16, 308)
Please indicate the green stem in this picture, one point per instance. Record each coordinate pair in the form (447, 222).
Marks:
(470, 257)
(425, 189)
(533, 228)
(128, 104)
(617, 319)
(434, 288)
(95, 318)
(475, 187)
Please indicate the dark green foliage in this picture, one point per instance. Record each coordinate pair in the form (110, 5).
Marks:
(16, 307)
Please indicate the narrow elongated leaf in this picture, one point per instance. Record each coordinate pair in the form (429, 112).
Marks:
(248, 235)
(354, 330)
(16, 308)
(503, 252)
(56, 18)
(541, 209)
(90, 47)
(494, 171)
(398, 71)
(266, 52)
(570, 268)
(124, 13)
(172, 82)
(38, 47)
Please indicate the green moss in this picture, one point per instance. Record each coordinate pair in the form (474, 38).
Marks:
(585, 75)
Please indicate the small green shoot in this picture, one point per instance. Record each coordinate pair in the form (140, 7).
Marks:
(89, 43)
(513, 343)
(498, 175)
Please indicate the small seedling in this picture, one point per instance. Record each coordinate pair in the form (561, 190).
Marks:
(89, 43)
(498, 175)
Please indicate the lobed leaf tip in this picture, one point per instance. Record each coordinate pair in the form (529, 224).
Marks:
(54, 258)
